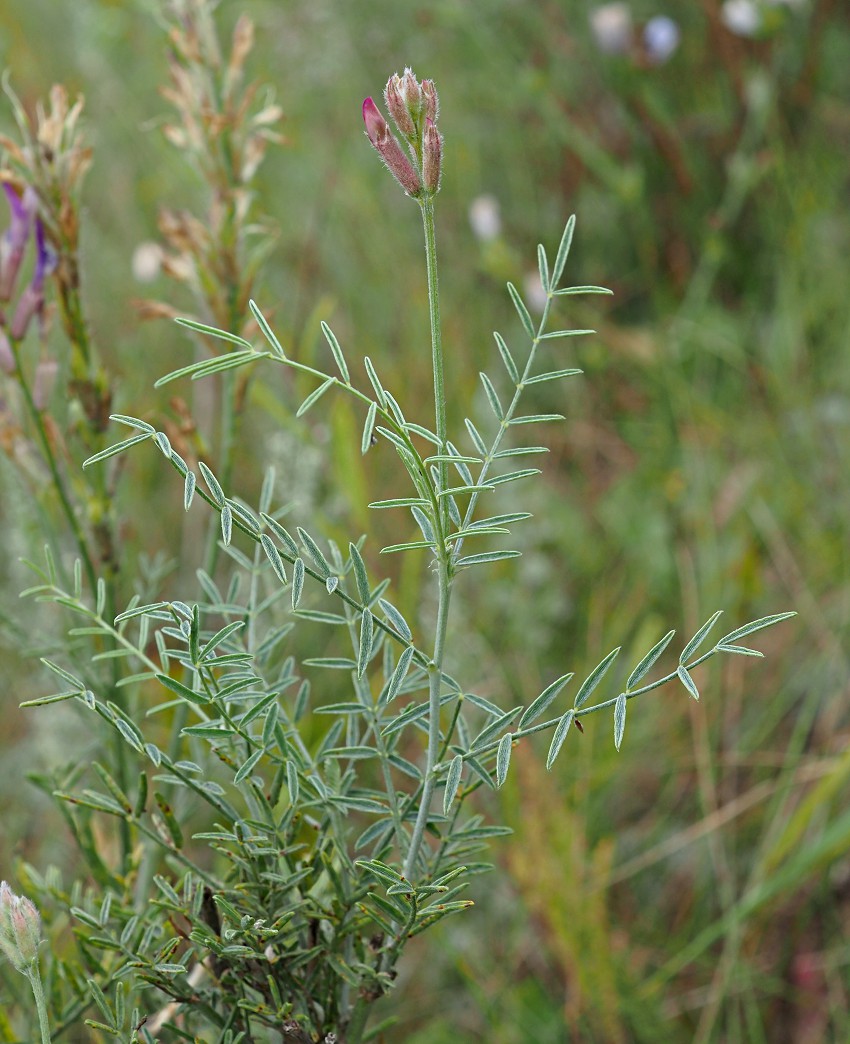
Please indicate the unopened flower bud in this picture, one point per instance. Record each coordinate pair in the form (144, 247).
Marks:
(431, 101)
(432, 152)
(20, 928)
(376, 125)
(397, 109)
(412, 94)
(378, 132)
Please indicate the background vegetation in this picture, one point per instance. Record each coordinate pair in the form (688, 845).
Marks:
(695, 885)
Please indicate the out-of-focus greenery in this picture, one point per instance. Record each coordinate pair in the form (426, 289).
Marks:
(695, 885)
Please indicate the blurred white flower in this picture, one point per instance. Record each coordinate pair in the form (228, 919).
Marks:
(485, 218)
(742, 17)
(661, 36)
(147, 261)
(533, 293)
(611, 25)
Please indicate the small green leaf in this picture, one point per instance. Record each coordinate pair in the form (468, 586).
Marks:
(330, 337)
(189, 484)
(648, 661)
(539, 705)
(507, 358)
(334, 663)
(561, 730)
(360, 576)
(119, 447)
(756, 625)
(687, 681)
(212, 484)
(280, 533)
(503, 758)
(522, 311)
(395, 618)
(161, 439)
(457, 490)
(519, 451)
(213, 331)
(266, 329)
(565, 333)
(411, 545)
(331, 584)
(477, 441)
(399, 502)
(369, 428)
(619, 719)
(492, 396)
(248, 766)
(398, 675)
(512, 476)
(452, 782)
(376, 384)
(273, 556)
(132, 422)
(537, 418)
(563, 250)
(594, 678)
(297, 581)
(292, 783)
(315, 552)
(199, 699)
(699, 637)
(365, 647)
(543, 267)
(486, 556)
(741, 650)
(314, 396)
(583, 290)
(226, 524)
(552, 375)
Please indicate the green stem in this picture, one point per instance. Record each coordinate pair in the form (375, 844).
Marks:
(435, 667)
(436, 341)
(34, 976)
(435, 676)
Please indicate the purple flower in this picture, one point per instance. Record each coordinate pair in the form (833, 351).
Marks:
(14, 240)
(31, 301)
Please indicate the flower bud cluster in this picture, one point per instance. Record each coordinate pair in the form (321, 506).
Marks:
(20, 929)
(413, 108)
